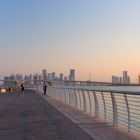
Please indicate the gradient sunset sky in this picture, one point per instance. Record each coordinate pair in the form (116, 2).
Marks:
(101, 37)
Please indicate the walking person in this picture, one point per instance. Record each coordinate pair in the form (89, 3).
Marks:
(45, 88)
(22, 89)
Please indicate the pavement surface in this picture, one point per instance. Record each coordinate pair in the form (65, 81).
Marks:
(31, 117)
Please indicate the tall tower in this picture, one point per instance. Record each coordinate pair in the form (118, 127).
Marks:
(61, 77)
(44, 74)
(138, 79)
(126, 78)
(35, 78)
(72, 75)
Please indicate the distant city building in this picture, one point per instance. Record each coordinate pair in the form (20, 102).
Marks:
(12, 77)
(6, 80)
(138, 79)
(19, 77)
(39, 78)
(53, 77)
(72, 75)
(126, 78)
(116, 79)
(35, 78)
(10, 80)
(44, 74)
(121, 80)
(31, 79)
(49, 77)
(61, 77)
(27, 80)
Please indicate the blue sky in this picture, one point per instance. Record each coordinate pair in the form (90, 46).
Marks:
(96, 36)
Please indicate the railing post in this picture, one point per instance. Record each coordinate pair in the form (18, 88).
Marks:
(56, 94)
(80, 99)
(76, 100)
(96, 105)
(61, 99)
(65, 96)
(69, 97)
(72, 98)
(56, 91)
(84, 101)
(115, 111)
(128, 112)
(59, 96)
(89, 101)
(62, 95)
(104, 105)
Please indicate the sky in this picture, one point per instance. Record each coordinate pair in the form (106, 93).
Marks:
(100, 37)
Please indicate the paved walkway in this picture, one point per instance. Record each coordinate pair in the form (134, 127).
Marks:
(30, 117)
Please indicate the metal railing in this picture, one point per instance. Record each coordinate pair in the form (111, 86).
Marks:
(113, 106)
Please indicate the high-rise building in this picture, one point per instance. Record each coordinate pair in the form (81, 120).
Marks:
(53, 76)
(61, 77)
(125, 78)
(19, 77)
(30, 78)
(6, 80)
(138, 79)
(35, 78)
(40, 78)
(72, 75)
(44, 74)
(116, 79)
(27, 80)
(49, 76)
(12, 77)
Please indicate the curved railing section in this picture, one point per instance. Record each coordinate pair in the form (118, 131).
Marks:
(113, 106)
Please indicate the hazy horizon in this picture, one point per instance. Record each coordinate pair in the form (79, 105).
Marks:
(100, 37)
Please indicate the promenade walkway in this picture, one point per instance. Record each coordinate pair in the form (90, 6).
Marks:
(38, 117)
(30, 117)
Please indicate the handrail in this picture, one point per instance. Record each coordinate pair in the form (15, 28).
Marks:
(100, 90)
(119, 107)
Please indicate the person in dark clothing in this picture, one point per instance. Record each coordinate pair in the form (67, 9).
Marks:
(45, 88)
(22, 89)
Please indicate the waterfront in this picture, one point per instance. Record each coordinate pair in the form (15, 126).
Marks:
(114, 108)
(114, 104)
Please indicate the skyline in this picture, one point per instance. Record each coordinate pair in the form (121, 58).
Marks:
(97, 37)
(122, 78)
(45, 75)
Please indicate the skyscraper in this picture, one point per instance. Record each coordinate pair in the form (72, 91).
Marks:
(72, 75)
(19, 77)
(35, 78)
(53, 76)
(138, 79)
(27, 80)
(44, 74)
(126, 78)
(61, 77)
